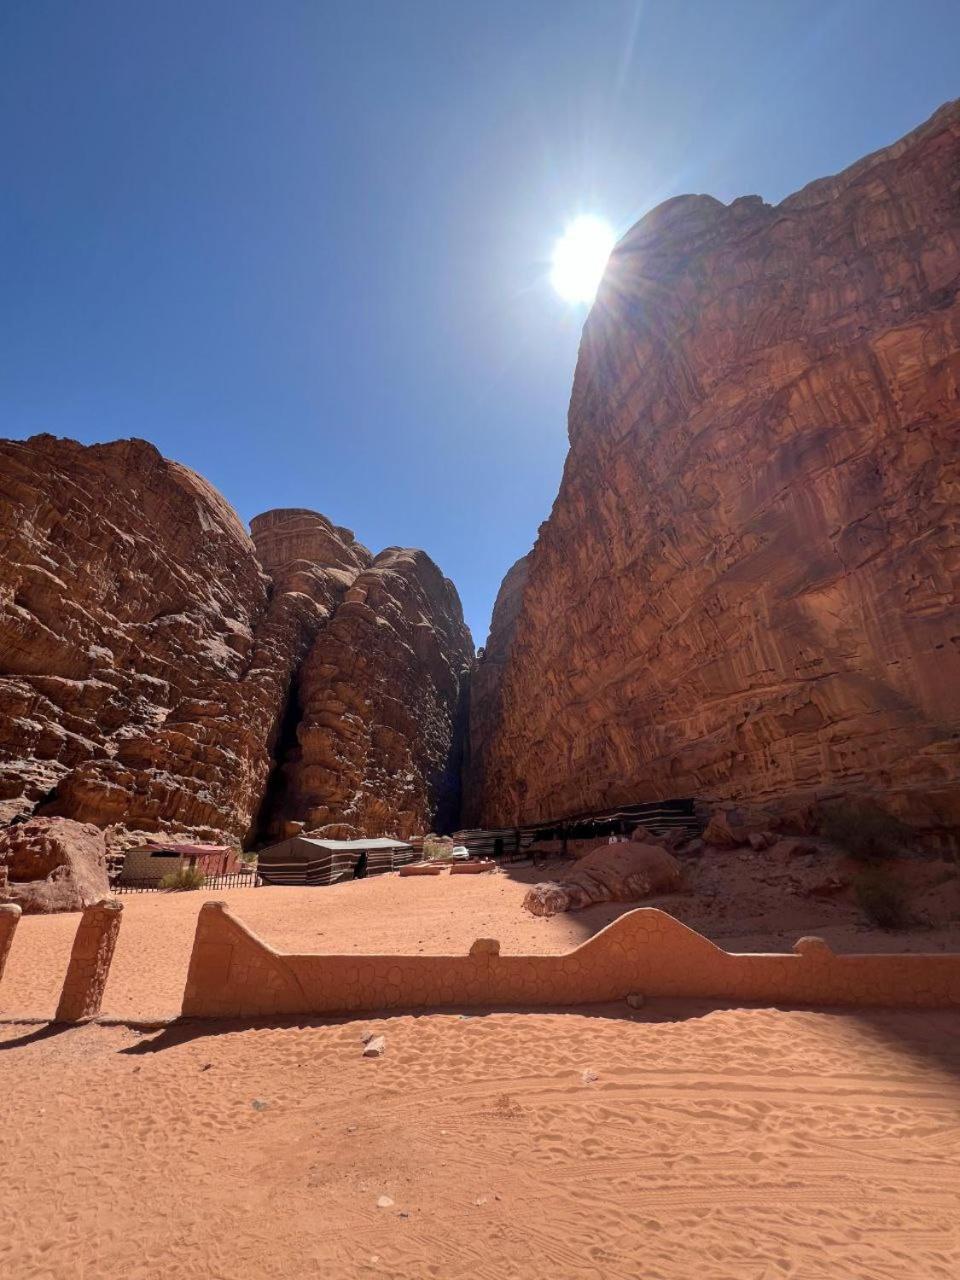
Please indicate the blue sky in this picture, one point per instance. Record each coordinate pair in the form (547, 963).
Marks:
(304, 247)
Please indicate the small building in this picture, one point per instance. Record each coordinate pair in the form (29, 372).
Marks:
(307, 860)
(156, 859)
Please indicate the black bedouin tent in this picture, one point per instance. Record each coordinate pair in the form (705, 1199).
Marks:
(306, 860)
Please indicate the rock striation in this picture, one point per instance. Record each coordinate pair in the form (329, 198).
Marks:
(53, 864)
(382, 706)
(129, 594)
(151, 650)
(747, 590)
(486, 686)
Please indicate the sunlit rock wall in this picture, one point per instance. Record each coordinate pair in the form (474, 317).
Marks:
(748, 587)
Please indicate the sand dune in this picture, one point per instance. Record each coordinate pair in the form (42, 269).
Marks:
(733, 1145)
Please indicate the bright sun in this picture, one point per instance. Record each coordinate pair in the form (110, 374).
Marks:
(580, 256)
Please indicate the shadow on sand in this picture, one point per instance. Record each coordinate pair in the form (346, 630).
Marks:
(930, 1036)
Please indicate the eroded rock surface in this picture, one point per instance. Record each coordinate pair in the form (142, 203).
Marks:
(150, 650)
(53, 864)
(610, 873)
(747, 590)
(382, 704)
(486, 686)
(129, 594)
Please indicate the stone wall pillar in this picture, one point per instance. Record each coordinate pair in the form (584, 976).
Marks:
(90, 962)
(9, 919)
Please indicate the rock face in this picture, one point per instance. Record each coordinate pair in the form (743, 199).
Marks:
(312, 564)
(130, 593)
(382, 699)
(486, 685)
(747, 590)
(151, 651)
(53, 864)
(610, 873)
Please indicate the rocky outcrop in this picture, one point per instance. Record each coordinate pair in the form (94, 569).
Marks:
(486, 684)
(150, 650)
(312, 564)
(382, 706)
(53, 864)
(610, 873)
(747, 590)
(129, 594)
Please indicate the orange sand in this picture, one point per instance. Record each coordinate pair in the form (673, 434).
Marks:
(736, 1145)
(433, 915)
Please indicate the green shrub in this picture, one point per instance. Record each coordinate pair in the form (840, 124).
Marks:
(185, 878)
(864, 831)
(882, 899)
(437, 849)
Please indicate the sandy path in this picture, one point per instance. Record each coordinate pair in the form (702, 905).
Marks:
(737, 1145)
(435, 916)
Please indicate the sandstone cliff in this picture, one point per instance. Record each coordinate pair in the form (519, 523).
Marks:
(486, 686)
(149, 665)
(748, 587)
(130, 592)
(382, 706)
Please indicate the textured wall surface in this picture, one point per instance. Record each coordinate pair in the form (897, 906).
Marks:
(486, 686)
(151, 652)
(748, 587)
(129, 593)
(233, 973)
(382, 705)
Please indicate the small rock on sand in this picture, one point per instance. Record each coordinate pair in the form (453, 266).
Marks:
(384, 1202)
(374, 1047)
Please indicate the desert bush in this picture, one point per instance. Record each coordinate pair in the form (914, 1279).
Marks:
(185, 878)
(437, 848)
(864, 831)
(882, 899)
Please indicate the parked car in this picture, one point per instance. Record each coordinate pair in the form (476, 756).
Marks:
(460, 853)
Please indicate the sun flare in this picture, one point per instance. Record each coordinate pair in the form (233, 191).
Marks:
(580, 257)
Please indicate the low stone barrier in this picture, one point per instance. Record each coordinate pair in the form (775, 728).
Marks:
(9, 919)
(90, 959)
(234, 974)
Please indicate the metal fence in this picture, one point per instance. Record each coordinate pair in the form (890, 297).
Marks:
(236, 880)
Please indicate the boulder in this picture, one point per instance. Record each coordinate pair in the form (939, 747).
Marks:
(724, 831)
(54, 864)
(610, 873)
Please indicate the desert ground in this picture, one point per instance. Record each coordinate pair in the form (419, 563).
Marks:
(678, 1142)
(673, 1141)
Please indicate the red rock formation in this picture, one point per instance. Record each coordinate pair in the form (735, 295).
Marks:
(206, 767)
(312, 563)
(609, 873)
(128, 596)
(53, 864)
(748, 587)
(381, 694)
(148, 665)
(486, 684)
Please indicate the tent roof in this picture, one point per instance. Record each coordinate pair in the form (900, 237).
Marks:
(336, 846)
